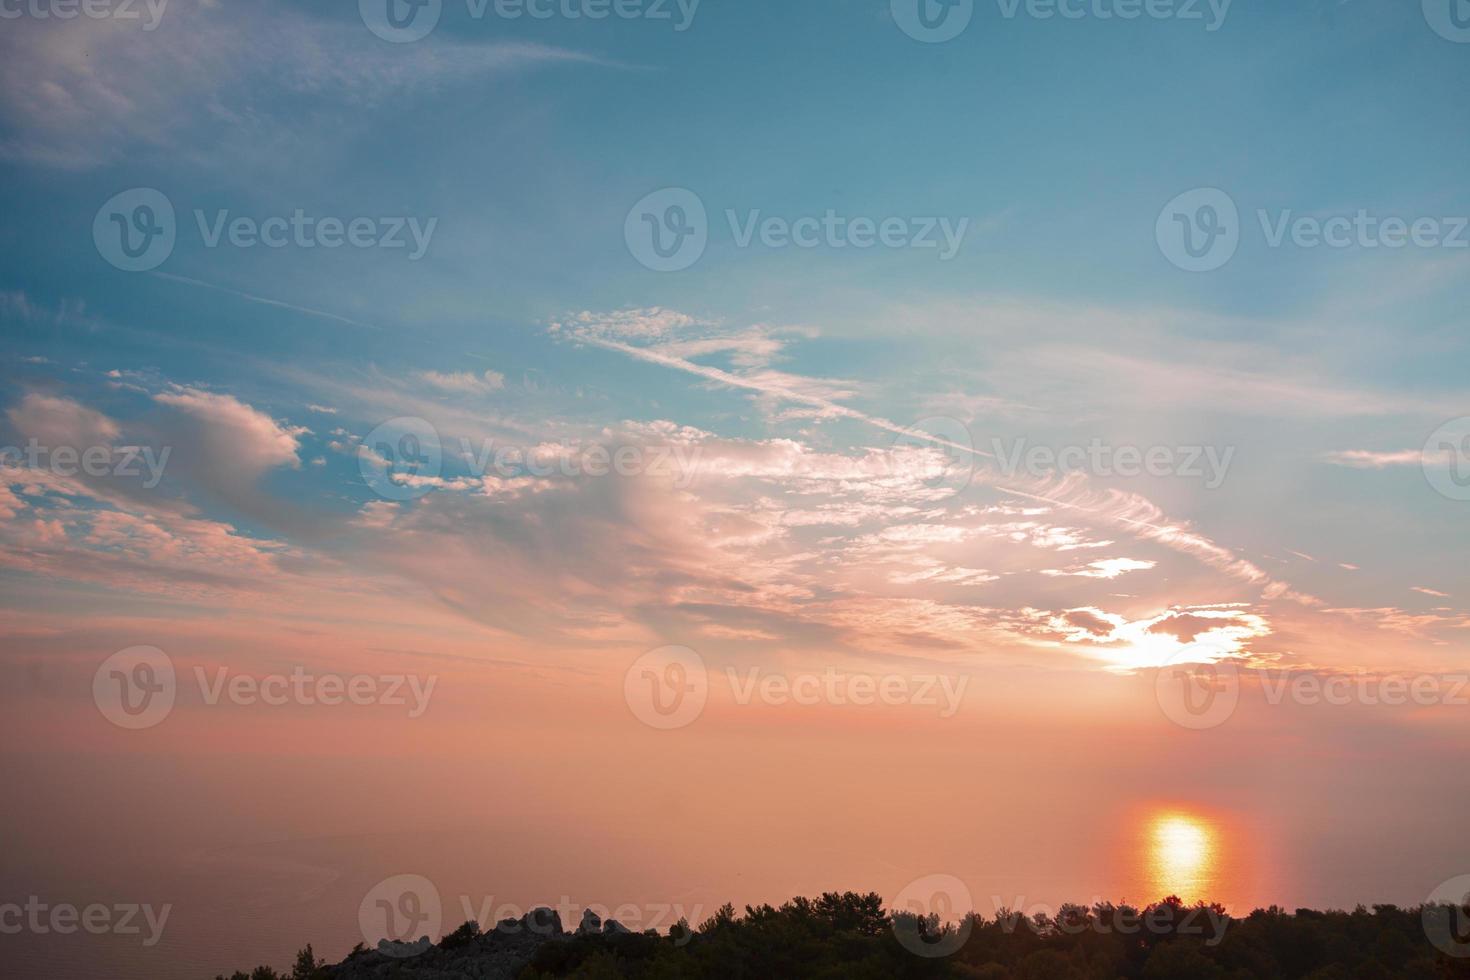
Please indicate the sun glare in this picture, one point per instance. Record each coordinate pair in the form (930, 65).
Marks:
(1182, 854)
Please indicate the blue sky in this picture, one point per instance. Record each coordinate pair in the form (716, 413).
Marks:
(526, 142)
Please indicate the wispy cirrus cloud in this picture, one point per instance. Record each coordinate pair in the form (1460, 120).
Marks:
(217, 82)
(1371, 459)
(463, 382)
(1073, 491)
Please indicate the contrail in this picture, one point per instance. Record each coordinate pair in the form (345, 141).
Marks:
(266, 300)
(1119, 505)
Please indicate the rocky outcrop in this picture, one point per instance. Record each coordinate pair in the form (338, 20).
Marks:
(499, 954)
(468, 954)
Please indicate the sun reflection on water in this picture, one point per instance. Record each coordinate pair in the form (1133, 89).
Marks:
(1183, 855)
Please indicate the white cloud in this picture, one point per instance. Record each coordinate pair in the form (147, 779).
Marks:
(463, 382)
(1107, 568)
(1369, 459)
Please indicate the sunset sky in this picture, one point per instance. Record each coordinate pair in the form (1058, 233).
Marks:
(824, 457)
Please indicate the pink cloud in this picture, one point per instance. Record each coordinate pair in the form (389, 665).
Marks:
(55, 421)
(235, 435)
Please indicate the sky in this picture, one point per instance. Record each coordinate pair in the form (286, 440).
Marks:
(610, 395)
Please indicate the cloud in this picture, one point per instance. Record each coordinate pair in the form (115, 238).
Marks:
(18, 306)
(1437, 594)
(55, 421)
(551, 556)
(224, 447)
(1047, 353)
(1199, 633)
(1106, 568)
(232, 435)
(1073, 491)
(78, 93)
(464, 382)
(649, 323)
(1369, 459)
(1401, 621)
